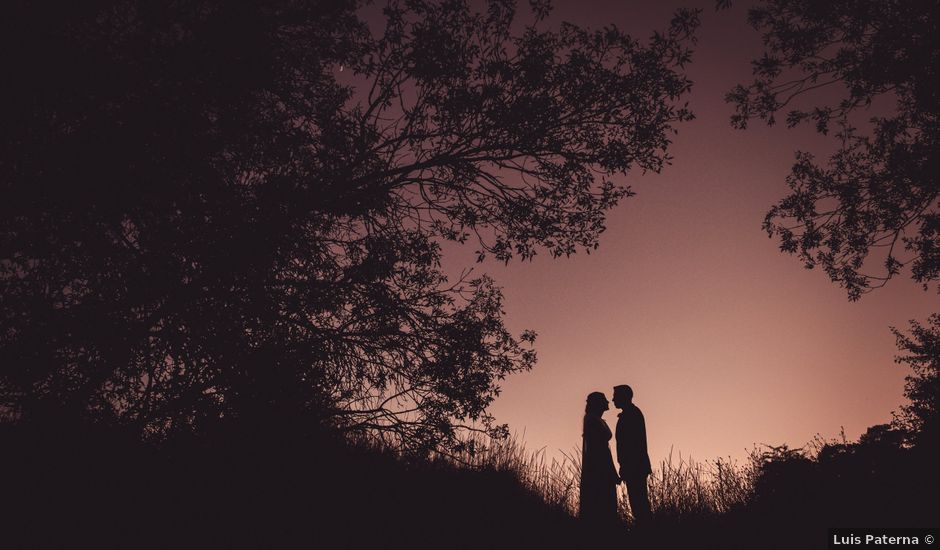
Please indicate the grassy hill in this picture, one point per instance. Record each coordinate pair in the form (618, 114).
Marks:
(260, 491)
(87, 487)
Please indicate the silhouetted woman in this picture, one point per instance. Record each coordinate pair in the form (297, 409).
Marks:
(598, 476)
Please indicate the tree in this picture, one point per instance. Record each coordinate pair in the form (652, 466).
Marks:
(921, 350)
(879, 191)
(877, 194)
(223, 210)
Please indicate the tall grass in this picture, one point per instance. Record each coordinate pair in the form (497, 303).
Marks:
(556, 481)
(680, 488)
(685, 488)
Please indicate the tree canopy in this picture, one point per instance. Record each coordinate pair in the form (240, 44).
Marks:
(233, 210)
(875, 199)
(921, 351)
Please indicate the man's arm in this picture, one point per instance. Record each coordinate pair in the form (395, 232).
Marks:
(641, 430)
(621, 441)
(645, 456)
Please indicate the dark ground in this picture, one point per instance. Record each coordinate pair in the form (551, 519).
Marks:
(87, 487)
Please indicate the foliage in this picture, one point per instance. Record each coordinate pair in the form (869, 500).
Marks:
(878, 479)
(921, 351)
(783, 474)
(232, 210)
(877, 194)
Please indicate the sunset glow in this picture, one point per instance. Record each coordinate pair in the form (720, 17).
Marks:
(727, 342)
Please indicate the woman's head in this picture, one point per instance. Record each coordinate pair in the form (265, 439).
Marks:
(596, 403)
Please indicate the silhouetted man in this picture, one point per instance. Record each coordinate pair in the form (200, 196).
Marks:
(631, 453)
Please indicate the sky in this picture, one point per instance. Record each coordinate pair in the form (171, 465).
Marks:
(727, 342)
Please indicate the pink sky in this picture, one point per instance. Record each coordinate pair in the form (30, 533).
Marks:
(726, 341)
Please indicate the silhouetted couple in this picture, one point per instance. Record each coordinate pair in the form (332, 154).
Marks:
(599, 477)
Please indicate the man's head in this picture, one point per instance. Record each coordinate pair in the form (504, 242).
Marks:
(623, 396)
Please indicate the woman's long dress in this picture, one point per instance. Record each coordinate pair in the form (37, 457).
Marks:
(598, 474)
